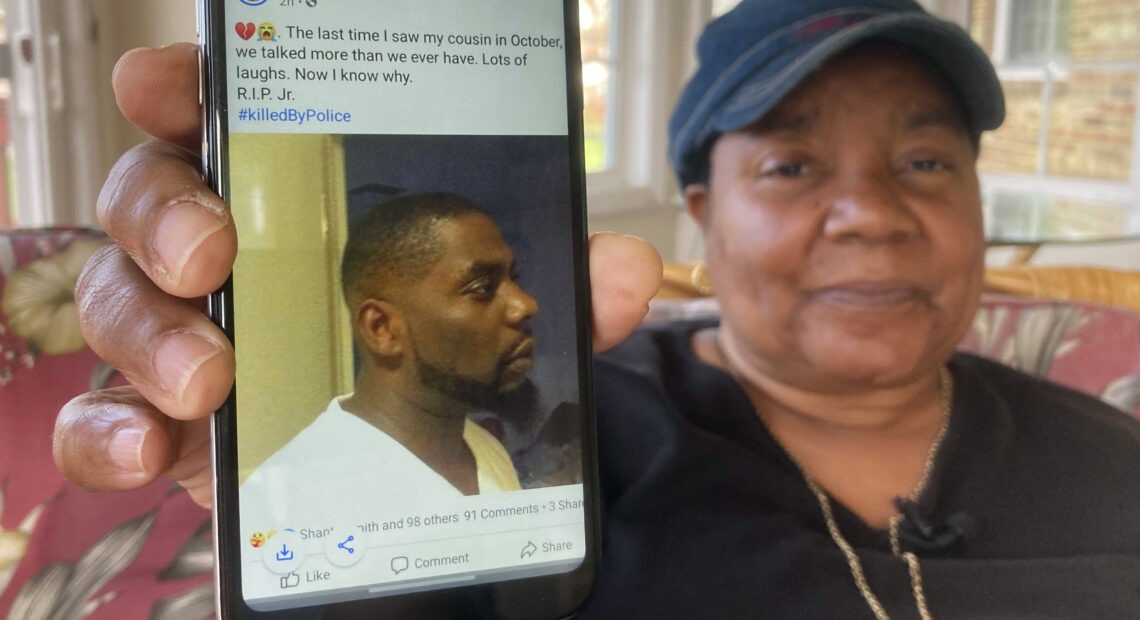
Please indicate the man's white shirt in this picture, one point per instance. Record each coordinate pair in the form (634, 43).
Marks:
(341, 467)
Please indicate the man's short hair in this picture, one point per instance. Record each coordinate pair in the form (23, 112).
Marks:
(398, 240)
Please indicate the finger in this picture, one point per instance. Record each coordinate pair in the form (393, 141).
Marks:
(192, 463)
(114, 440)
(177, 359)
(625, 273)
(157, 91)
(111, 440)
(155, 205)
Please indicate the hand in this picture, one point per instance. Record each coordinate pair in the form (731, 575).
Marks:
(140, 298)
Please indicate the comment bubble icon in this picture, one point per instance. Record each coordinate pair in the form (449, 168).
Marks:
(399, 564)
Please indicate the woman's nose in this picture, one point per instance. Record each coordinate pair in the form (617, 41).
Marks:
(870, 206)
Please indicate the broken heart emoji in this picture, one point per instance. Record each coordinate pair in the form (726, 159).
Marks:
(246, 30)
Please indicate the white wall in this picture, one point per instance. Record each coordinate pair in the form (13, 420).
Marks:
(123, 25)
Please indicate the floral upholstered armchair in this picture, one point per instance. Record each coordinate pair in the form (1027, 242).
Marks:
(66, 553)
(1087, 346)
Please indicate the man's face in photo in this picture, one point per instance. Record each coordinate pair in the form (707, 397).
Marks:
(468, 318)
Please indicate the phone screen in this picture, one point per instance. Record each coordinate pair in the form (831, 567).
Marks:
(408, 305)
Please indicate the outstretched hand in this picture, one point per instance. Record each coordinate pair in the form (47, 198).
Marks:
(140, 299)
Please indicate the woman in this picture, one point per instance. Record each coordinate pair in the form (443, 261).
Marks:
(821, 451)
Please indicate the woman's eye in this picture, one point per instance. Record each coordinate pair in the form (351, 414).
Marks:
(927, 165)
(785, 170)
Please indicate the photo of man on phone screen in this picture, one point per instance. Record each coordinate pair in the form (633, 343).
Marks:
(442, 331)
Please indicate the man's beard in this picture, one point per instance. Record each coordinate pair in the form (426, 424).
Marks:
(484, 396)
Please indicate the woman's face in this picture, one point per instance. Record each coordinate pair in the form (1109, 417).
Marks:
(844, 229)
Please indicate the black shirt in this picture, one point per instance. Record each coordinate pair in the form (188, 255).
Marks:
(706, 516)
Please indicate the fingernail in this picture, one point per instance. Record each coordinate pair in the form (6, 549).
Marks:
(179, 356)
(125, 449)
(181, 230)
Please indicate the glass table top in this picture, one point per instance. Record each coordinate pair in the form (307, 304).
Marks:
(1035, 219)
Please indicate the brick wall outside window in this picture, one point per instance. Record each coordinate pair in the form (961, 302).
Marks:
(1067, 146)
(1092, 109)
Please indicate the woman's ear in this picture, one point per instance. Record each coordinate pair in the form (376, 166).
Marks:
(380, 327)
(697, 203)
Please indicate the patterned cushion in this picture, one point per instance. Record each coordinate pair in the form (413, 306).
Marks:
(66, 553)
(1090, 347)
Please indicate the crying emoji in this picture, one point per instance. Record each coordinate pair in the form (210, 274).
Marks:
(266, 31)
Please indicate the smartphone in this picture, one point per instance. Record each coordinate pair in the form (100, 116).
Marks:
(411, 432)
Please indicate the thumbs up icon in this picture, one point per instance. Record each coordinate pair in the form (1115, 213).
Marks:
(292, 580)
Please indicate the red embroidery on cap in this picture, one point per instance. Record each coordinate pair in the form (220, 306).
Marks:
(827, 24)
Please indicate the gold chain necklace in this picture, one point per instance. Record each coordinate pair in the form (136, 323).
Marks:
(945, 395)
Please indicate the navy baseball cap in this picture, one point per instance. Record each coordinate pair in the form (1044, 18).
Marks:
(750, 58)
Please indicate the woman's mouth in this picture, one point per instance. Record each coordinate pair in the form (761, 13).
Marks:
(868, 295)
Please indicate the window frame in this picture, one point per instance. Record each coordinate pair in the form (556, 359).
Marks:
(1050, 71)
(1004, 36)
(53, 118)
(653, 42)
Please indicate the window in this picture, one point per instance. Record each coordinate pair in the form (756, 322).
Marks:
(48, 129)
(1070, 145)
(1038, 30)
(7, 198)
(601, 75)
(635, 56)
(599, 69)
